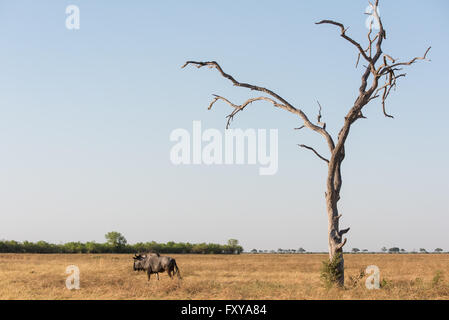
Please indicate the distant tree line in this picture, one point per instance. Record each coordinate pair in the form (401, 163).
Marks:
(280, 250)
(116, 243)
(353, 250)
(398, 250)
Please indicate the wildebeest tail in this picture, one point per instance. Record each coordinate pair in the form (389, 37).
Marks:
(177, 270)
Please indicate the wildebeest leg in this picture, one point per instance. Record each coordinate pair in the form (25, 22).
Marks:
(149, 274)
(157, 274)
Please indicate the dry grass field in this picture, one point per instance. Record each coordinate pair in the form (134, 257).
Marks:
(28, 276)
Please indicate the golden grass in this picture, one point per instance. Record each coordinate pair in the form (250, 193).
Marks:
(103, 276)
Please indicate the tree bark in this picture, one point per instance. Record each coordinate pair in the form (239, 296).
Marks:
(335, 235)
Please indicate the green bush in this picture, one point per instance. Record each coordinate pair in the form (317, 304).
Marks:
(329, 271)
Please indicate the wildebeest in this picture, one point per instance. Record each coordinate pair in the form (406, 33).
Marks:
(154, 263)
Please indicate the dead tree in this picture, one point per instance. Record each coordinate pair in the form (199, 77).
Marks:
(380, 75)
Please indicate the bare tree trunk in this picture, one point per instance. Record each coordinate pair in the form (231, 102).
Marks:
(335, 242)
(335, 235)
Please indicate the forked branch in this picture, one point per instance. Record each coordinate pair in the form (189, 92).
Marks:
(386, 70)
(281, 102)
(238, 108)
(389, 73)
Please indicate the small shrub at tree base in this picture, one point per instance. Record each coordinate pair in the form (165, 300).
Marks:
(329, 271)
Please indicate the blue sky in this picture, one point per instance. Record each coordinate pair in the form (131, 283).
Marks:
(85, 119)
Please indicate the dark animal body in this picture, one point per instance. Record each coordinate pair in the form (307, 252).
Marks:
(154, 263)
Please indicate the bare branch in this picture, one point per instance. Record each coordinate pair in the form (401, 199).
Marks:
(384, 97)
(283, 105)
(390, 58)
(373, 97)
(370, 41)
(387, 68)
(358, 60)
(238, 108)
(314, 151)
(343, 34)
(390, 83)
(322, 124)
(341, 245)
(344, 231)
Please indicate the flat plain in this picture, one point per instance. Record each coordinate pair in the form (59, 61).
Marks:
(245, 276)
